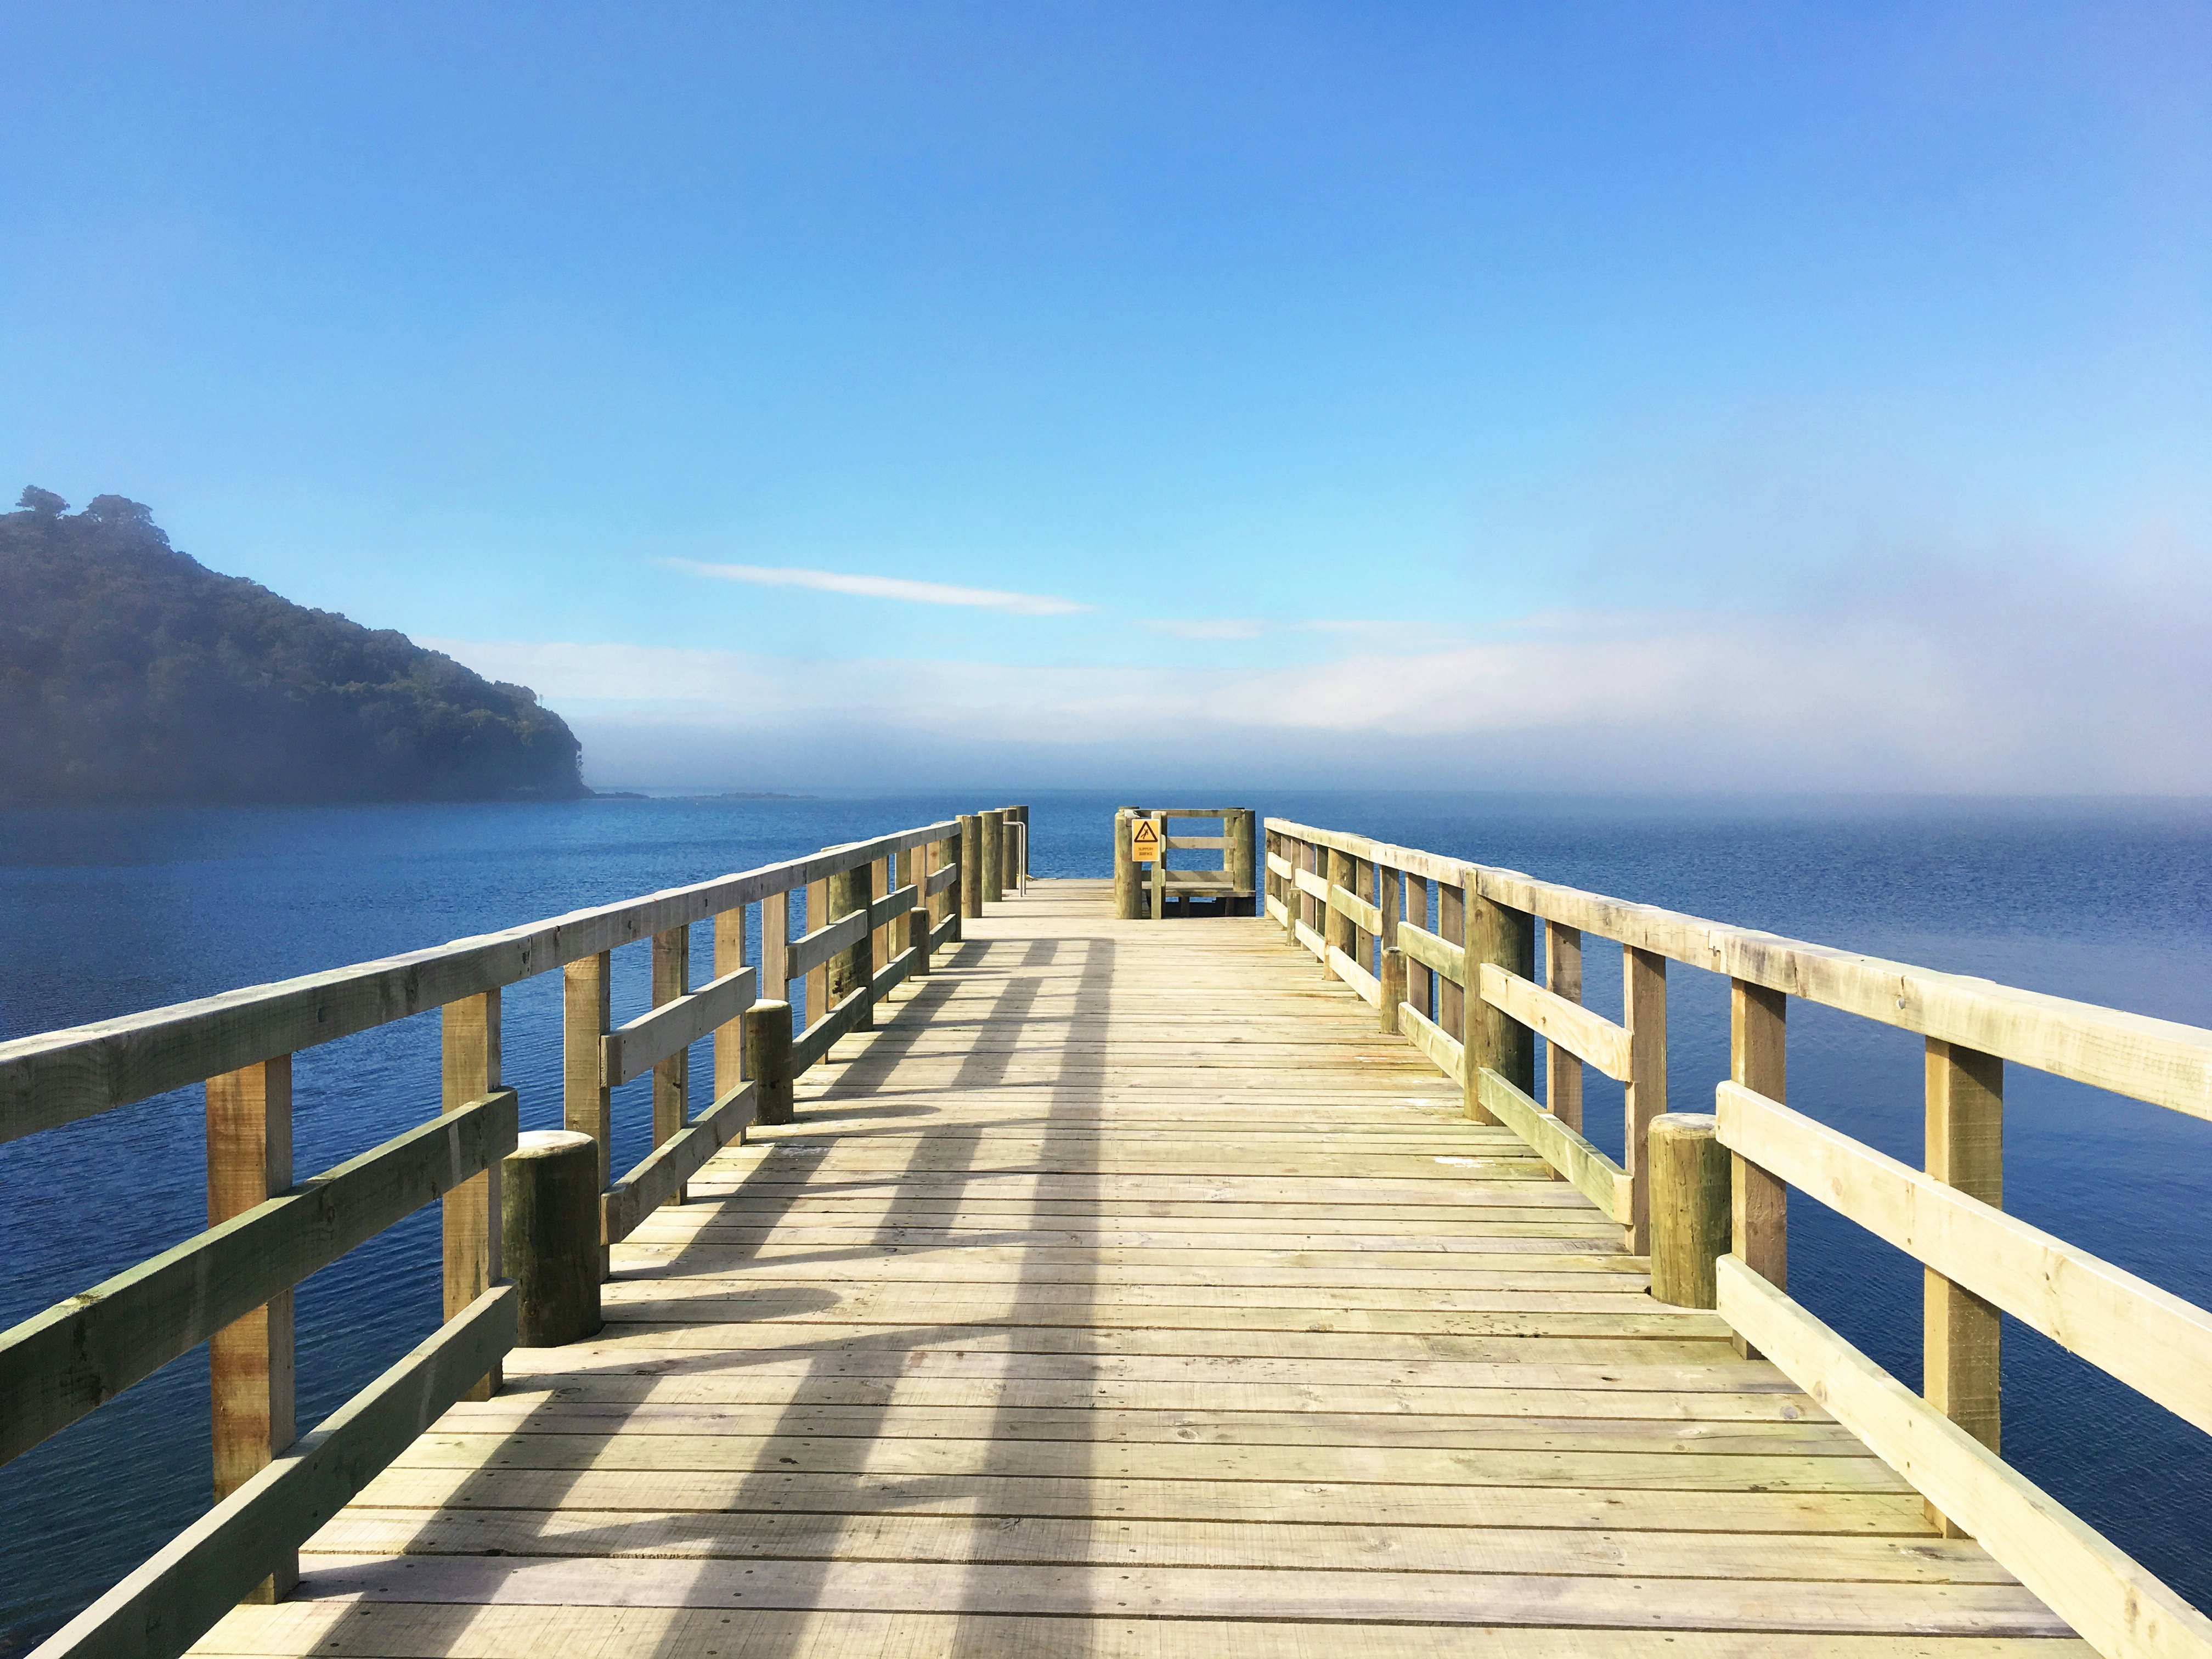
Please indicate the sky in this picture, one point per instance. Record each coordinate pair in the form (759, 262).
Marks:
(1692, 397)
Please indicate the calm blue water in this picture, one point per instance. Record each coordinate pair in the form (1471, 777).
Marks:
(106, 912)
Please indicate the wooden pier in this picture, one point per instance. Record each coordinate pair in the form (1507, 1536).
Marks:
(1215, 1288)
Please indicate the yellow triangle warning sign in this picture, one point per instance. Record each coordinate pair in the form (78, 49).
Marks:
(1144, 839)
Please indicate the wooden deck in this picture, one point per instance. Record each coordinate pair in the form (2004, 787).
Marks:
(1124, 1293)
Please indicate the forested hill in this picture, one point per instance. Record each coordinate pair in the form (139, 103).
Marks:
(132, 673)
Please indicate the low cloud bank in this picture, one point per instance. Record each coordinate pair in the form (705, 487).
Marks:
(2068, 689)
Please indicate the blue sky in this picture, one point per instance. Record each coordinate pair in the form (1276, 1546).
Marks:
(1736, 396)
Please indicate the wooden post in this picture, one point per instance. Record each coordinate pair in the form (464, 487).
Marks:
(1414, 907)
(549, 1236)
(768, 1059)
(1645, 1013)
(948, 857)
(817, 976)
(1393, 987)
(586, 1104)
(671, 1078)
(917, 940)
(775, 949)
(1563, 976)
(1159, 911)
(1689, 1207)
(1759, 1203)
(854, 968)
(1959, 1331)
(971, 864)
(1336, 927)
(1236, 856)
(994, 857)
(1495, 1040)
(1452, 1001)
(1125, 899)
(469, 1213)
(250, 1360)
(729, 956)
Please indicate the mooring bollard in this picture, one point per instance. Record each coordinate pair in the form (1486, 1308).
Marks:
(1689, 1207)
(768, 1059)
(550, 1235)
(1394, 987)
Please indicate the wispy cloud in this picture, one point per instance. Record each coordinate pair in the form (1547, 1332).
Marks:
(1224, 628)
(882, 587)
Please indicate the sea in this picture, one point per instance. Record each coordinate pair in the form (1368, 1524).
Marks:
(105, 912)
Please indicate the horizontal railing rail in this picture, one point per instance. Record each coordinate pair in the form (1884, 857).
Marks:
(1445, 949)
(877, 908)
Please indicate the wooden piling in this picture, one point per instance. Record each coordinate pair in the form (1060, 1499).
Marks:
(1394, 989)
(1126, 900)
(994, 857)
(1689, 1207)
(917, 940)
(971, 864)
(549, 1236)
(768, 1059)
(1238, 857)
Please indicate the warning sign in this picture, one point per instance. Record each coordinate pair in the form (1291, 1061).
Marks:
(1144, 839)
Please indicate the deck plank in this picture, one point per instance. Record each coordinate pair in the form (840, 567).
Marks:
(1124, 1293)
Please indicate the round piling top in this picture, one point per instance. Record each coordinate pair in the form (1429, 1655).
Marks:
(768, 1006)
(548, 1143)
(1694, 1125)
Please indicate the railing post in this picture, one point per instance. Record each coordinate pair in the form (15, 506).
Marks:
(1453, 1002)
(949, 858)
(1021, 816)
(1496, 1040)
(586, 1104)
(1336, 927)
(1159, 912)
(1126, 900)
(729, 957)
(817, 978)
(250, 1360)
(775, 949)
(768, 1059)
(1236, 856)
(549, 1236)
(469, 1213)
(1961, 1331)
(1645, 1096)
(1759, 1203)
(1689, 1207)
(854, 968)
(1414, 907)
(971, 864)
(671, 1078)
(994, 857)
(1563, 976)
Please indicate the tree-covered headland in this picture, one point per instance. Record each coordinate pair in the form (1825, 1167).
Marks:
(130, 673)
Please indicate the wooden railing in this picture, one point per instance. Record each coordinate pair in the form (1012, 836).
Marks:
(875, 910)
(1137, 897)
(1445, 950)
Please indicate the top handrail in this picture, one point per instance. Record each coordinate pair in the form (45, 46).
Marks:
(2162, 1062)
(58, 1077)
